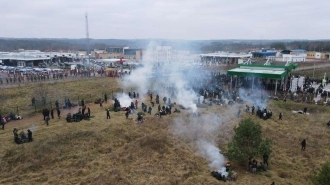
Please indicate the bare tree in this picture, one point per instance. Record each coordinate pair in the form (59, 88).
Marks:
(41, 92)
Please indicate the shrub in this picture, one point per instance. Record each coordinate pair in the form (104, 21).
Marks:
(323, 176)
(247, 142)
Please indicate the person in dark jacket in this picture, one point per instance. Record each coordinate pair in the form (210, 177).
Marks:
(29, 135)
(52, 113)
(106, 98)
(59, 113)
(89, 112)
(108, 114)
(303, 145)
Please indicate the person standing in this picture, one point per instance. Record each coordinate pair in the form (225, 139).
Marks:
(89, 112)
(149, 110)
(108, 114)
(238, 113)
(58, 113)
(52, 113)
(136, 104)
(82, 103)
(127, 113)
(303, 145)
(105, 97)
(280, 116)
(47, 120)
(265, 159)
(305, 110)
(29, 135)
(83, 110)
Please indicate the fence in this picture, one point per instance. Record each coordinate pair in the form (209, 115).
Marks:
(18, 80)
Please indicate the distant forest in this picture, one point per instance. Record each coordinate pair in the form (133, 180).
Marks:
(11, 44)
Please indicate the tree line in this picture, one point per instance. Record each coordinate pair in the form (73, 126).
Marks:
(9, 44)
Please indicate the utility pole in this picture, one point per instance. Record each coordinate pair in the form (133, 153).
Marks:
(87, 37)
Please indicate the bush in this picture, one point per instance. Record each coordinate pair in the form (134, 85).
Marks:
(323, 177)
(247, 142)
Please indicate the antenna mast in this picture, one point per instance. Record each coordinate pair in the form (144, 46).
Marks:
(87, 34)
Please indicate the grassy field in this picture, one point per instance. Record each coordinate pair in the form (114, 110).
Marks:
(89, 90)
(120, 151)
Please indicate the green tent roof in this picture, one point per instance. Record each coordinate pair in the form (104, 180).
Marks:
(288, 68)
(275, 73)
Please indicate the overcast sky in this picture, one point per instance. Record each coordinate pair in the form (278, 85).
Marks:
(168, 19)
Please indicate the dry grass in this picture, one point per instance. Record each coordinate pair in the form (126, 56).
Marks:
(89, 90)
(119, 151)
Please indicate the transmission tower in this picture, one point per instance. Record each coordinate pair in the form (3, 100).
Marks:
(87, 35)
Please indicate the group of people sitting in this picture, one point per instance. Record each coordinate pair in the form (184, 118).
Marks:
(22, 137)
(225, 173)
(80, 115)
(164, 110)
(264, 114)
(254, 167)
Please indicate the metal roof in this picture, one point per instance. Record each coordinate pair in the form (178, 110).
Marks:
(227, 55)
(35, 55)
(274, 73)
(289, 67)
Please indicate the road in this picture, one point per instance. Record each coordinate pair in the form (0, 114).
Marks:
(311, 67)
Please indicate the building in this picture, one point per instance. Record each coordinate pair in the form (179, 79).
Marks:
(162, 54)
(133, 54)
(313, 55)
(34, 57)
(115, 49)
(318, 55)
(181, 56)
(325, 56)
(224, 57)
(264, 53)
(301, 57)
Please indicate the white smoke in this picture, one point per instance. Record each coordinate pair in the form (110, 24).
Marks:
(157, 77)
(33, 128)
(210, 152)
(202, 132)
(170, 78)
(124, 100)
(253, 97)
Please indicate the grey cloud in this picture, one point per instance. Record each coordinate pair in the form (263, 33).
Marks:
(172, 19)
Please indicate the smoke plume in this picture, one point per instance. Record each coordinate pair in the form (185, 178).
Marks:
(176, 80)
